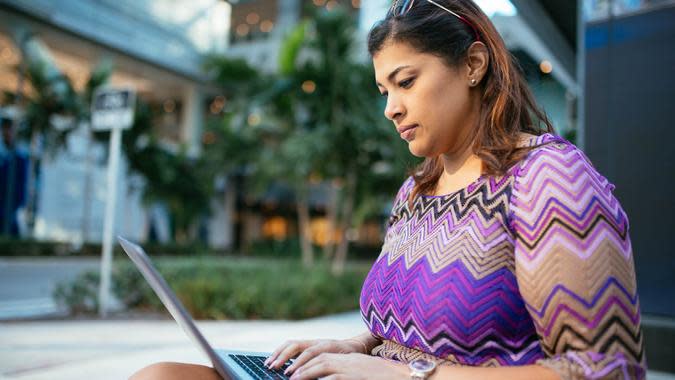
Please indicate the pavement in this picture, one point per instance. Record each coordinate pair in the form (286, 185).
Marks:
(115, 349)
(105, 349)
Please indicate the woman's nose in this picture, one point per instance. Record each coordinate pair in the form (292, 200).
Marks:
(394, 109)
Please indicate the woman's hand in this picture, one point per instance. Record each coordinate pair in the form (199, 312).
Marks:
(353, 366)
(308, 349)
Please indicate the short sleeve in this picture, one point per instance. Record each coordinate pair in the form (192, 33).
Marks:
(574, 266)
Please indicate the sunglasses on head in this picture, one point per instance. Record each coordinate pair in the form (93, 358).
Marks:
(401, 7)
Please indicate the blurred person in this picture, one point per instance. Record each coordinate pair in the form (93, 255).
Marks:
(506, 254)
(13, 179)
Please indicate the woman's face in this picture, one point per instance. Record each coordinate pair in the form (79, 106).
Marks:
(429, 102)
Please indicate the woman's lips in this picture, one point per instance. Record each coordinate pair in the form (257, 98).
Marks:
(409, 133)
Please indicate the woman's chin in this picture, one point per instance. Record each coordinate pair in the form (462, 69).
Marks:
(417, 149)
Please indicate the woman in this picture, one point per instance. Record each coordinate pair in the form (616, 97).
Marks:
(506, 255)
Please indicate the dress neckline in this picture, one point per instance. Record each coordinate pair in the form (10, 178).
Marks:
(536, 139)
(471, 185)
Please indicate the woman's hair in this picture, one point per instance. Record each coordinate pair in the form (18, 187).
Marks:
(507, 108)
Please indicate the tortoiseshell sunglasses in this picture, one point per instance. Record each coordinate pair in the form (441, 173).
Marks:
(406, 5)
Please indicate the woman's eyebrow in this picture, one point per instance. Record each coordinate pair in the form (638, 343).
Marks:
(391, 75)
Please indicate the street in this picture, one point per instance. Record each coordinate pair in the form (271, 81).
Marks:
(26, 284)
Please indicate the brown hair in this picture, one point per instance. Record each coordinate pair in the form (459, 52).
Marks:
(508, 107)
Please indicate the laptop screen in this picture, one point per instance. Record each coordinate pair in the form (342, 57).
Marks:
(173, 304)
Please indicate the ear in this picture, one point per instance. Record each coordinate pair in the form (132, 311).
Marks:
(477, 61)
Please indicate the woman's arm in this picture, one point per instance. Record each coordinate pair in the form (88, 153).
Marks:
(527, 372)
(367, 340)
(574, 267)
(357, 366)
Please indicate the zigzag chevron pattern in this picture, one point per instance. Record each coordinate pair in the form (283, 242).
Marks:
(532, 267)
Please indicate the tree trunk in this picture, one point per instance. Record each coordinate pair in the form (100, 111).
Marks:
(331, 217)
(303, 224)
(346, 222)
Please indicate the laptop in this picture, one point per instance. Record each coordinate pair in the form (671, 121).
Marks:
(230, 364)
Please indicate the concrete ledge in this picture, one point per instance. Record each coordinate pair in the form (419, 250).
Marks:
(660, 342)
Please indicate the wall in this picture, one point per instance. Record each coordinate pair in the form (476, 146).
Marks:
(630, 137)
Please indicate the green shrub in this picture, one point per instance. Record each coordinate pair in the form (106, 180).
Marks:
(229, 288)
(80, 296)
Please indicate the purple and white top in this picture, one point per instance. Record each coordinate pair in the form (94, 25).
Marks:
(531, 267)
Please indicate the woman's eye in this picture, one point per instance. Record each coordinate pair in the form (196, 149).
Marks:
(406, 83)
(384, 94)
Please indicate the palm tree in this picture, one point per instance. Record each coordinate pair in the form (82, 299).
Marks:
(345, 111)
(51, 106)
(293, 160)
(318, 117)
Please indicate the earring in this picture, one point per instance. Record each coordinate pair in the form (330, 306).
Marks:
(473, 81)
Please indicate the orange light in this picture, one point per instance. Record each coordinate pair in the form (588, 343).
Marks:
(276, 228)
(252, 18)
(546, 67)
(169, 106)
(216, 106)
(266, 26)
(253, 119)
(242, 29)
(308, 86)
(208, 138)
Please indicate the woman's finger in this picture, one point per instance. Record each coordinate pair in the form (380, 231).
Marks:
(278, 350)
(335, 376)
(288, 352)
(305, 356)
(319, 366)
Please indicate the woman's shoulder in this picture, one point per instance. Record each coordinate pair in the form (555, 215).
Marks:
(545, 144)
(550, 151)
(553, 159)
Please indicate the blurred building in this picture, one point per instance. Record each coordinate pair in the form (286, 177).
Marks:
(157, 48)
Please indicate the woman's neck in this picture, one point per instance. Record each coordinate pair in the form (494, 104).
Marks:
(462, 167)
(456, 162)
(459, 170)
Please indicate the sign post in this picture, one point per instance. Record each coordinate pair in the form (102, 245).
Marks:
(112, 110)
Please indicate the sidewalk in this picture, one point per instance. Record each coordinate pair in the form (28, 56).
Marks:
(90, 349)
(102, 350)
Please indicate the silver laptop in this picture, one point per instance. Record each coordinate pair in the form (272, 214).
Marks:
(231, 365)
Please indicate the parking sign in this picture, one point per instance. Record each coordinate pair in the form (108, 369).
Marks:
(112, 108)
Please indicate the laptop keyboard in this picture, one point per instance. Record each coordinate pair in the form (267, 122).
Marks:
(255, 366)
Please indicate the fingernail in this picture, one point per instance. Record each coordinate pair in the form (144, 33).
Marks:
(274, 364)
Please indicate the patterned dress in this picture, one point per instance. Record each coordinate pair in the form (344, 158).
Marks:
(532, 267)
